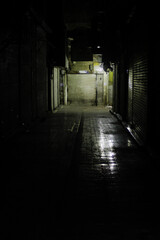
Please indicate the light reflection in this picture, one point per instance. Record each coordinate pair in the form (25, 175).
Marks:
(111, 144)
(113, 167)
(111, 154)
(129, 143)
(102, 144)
(104, 165)
(111, 161)
(107, 153)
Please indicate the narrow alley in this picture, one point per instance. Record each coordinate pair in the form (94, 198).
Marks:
(78, 175)
(79, 120)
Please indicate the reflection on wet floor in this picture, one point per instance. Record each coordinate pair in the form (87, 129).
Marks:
(110, 188)
(77, 180)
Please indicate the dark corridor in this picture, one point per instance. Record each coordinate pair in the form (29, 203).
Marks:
(78, 175)
(71, 171)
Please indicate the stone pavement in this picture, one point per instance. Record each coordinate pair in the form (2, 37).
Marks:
(78, 175)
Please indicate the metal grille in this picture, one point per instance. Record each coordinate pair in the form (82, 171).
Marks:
(140, 98)
(130, 95)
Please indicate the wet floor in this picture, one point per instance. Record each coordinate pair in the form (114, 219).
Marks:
(78, 175)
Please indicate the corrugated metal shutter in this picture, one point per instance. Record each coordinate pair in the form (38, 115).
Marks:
(130, 95)
(140, 95)
(82, 88)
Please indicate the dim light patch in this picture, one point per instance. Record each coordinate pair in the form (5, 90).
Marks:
(82, 71)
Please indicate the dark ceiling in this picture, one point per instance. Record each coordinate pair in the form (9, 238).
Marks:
(90, 23)
(97, 23)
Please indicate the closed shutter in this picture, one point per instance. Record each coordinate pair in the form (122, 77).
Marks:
(82, 88)
(140, 96)
(130, 95)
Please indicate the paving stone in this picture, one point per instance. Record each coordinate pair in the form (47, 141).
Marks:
(78, 175)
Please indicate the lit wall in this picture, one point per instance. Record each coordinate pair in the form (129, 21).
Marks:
(82, 88)
(78, 66)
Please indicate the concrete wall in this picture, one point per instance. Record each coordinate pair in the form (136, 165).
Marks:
(99, 88)
(52, 92)
(82, 66)
(33, 73)
(110, 88)
(55, 87)
(42, 77)
(65, 87)
(23, 76)
(58, 87)
(90, 89)
(106, 80)
(82, 88)
(9, 88)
